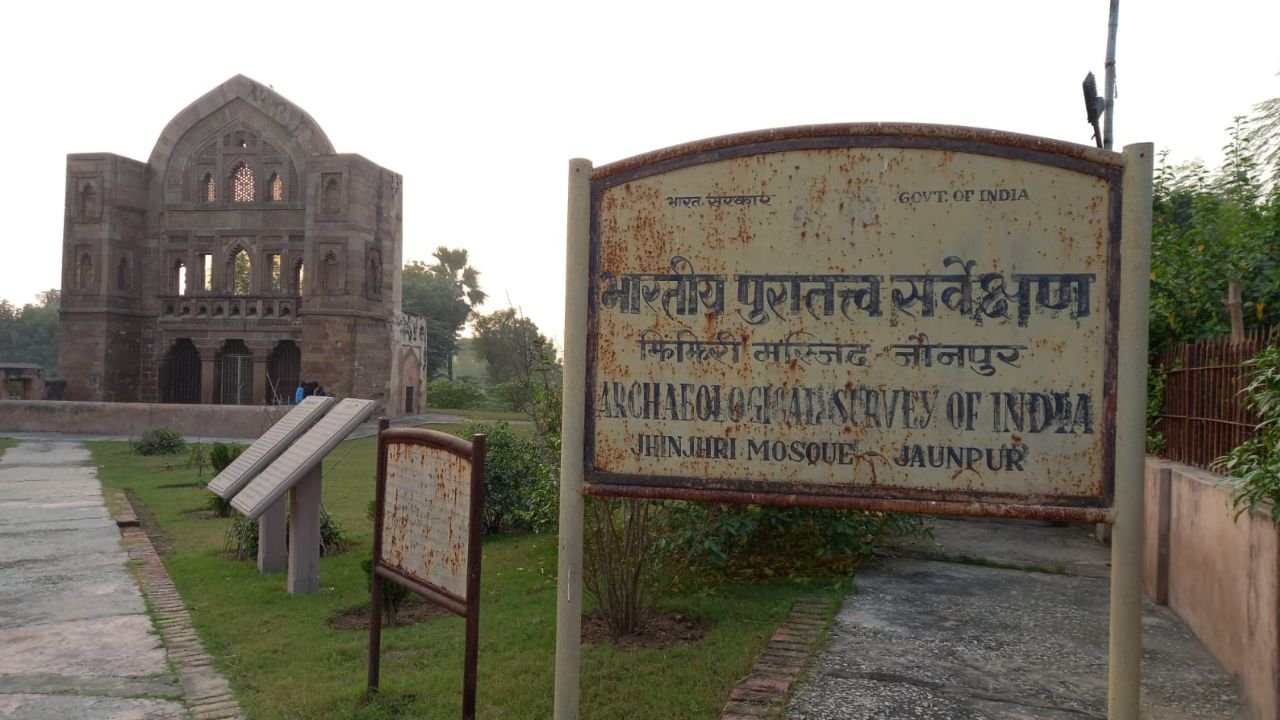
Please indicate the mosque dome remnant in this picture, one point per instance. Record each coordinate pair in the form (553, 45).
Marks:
(242, 193)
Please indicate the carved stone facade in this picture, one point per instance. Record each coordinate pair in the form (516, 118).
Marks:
(243, 258)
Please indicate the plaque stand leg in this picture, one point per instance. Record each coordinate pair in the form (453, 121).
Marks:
(272, 555)
(304, 534)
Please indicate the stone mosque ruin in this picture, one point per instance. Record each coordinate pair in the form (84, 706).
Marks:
(243, 259)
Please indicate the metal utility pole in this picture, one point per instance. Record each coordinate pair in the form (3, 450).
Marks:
(1109, 77)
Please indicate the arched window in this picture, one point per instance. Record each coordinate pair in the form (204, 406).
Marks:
(276, 185)
(88, 202)
(210, 188)
(84, 272)
(179, 279)
(242, 183)
(240, 272)
(373, 275)
(332, 197)
(329, 272)
(122, 274)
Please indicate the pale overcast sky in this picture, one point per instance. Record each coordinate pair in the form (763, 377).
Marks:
(480, 105)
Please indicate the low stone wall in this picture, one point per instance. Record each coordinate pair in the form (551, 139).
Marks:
(127, 419)
(1220, 574)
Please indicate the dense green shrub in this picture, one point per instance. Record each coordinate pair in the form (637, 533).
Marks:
(513, 468)
(763, 541)
(241, 538)
(1254, 466)
(158, 441)
(222, 455)
(509, 396)
(444, 393)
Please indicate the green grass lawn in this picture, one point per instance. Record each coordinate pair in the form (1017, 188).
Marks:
(284, 661)
(6, 443)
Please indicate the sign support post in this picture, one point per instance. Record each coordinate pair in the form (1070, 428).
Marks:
(569, 577)
(1125, 662)
(304, 533)
(273, 554)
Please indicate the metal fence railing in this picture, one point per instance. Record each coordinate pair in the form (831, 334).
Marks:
(1204, 416)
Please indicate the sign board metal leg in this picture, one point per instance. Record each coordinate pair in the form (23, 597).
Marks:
(569, 579)
(375, 588)
(304, 534)
(272, 553)
(1125, 679)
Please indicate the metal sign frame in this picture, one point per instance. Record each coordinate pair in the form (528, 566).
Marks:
(876, 495)
(468, 607)
(1129, 178)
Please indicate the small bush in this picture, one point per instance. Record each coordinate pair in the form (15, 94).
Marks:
(223, 454)
(158, 441)
(393, 595)
(333, 538)
(219, 507)
(198, 458)
(241, 538)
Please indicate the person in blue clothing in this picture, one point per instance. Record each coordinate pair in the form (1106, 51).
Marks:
(298, 395)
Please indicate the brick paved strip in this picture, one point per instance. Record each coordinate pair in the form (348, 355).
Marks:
(206, 693)
(762, 692)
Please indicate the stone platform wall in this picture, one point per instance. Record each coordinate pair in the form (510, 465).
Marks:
(128, 419)
(1219, 573)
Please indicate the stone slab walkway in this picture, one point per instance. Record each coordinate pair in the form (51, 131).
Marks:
(77, 641)
(928, 637)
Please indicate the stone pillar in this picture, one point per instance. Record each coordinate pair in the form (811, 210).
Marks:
(259, 379)
(207, 368)
(304, 534)
(272, 553)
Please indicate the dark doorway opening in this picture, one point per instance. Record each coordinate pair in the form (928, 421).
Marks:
(180, 373)
(284, 372)
(408, 400)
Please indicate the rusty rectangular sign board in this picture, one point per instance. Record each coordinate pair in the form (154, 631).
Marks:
(268, 447)
(883, 317)
(427, 526)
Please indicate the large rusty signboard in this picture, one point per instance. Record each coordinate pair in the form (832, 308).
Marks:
(914, 319)
(427, 527)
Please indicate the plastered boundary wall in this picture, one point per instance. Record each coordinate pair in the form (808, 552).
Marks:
(1219, 574)
(129, 419)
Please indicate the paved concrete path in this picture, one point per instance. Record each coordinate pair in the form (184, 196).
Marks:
(75, 640)
(929, 636)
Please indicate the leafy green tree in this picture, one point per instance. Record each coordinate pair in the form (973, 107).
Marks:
(1209, 229)
(511, 346)
(445, 293)
(30, 334)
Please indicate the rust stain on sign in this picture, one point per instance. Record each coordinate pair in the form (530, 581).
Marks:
(425, 517)
(876, 315)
